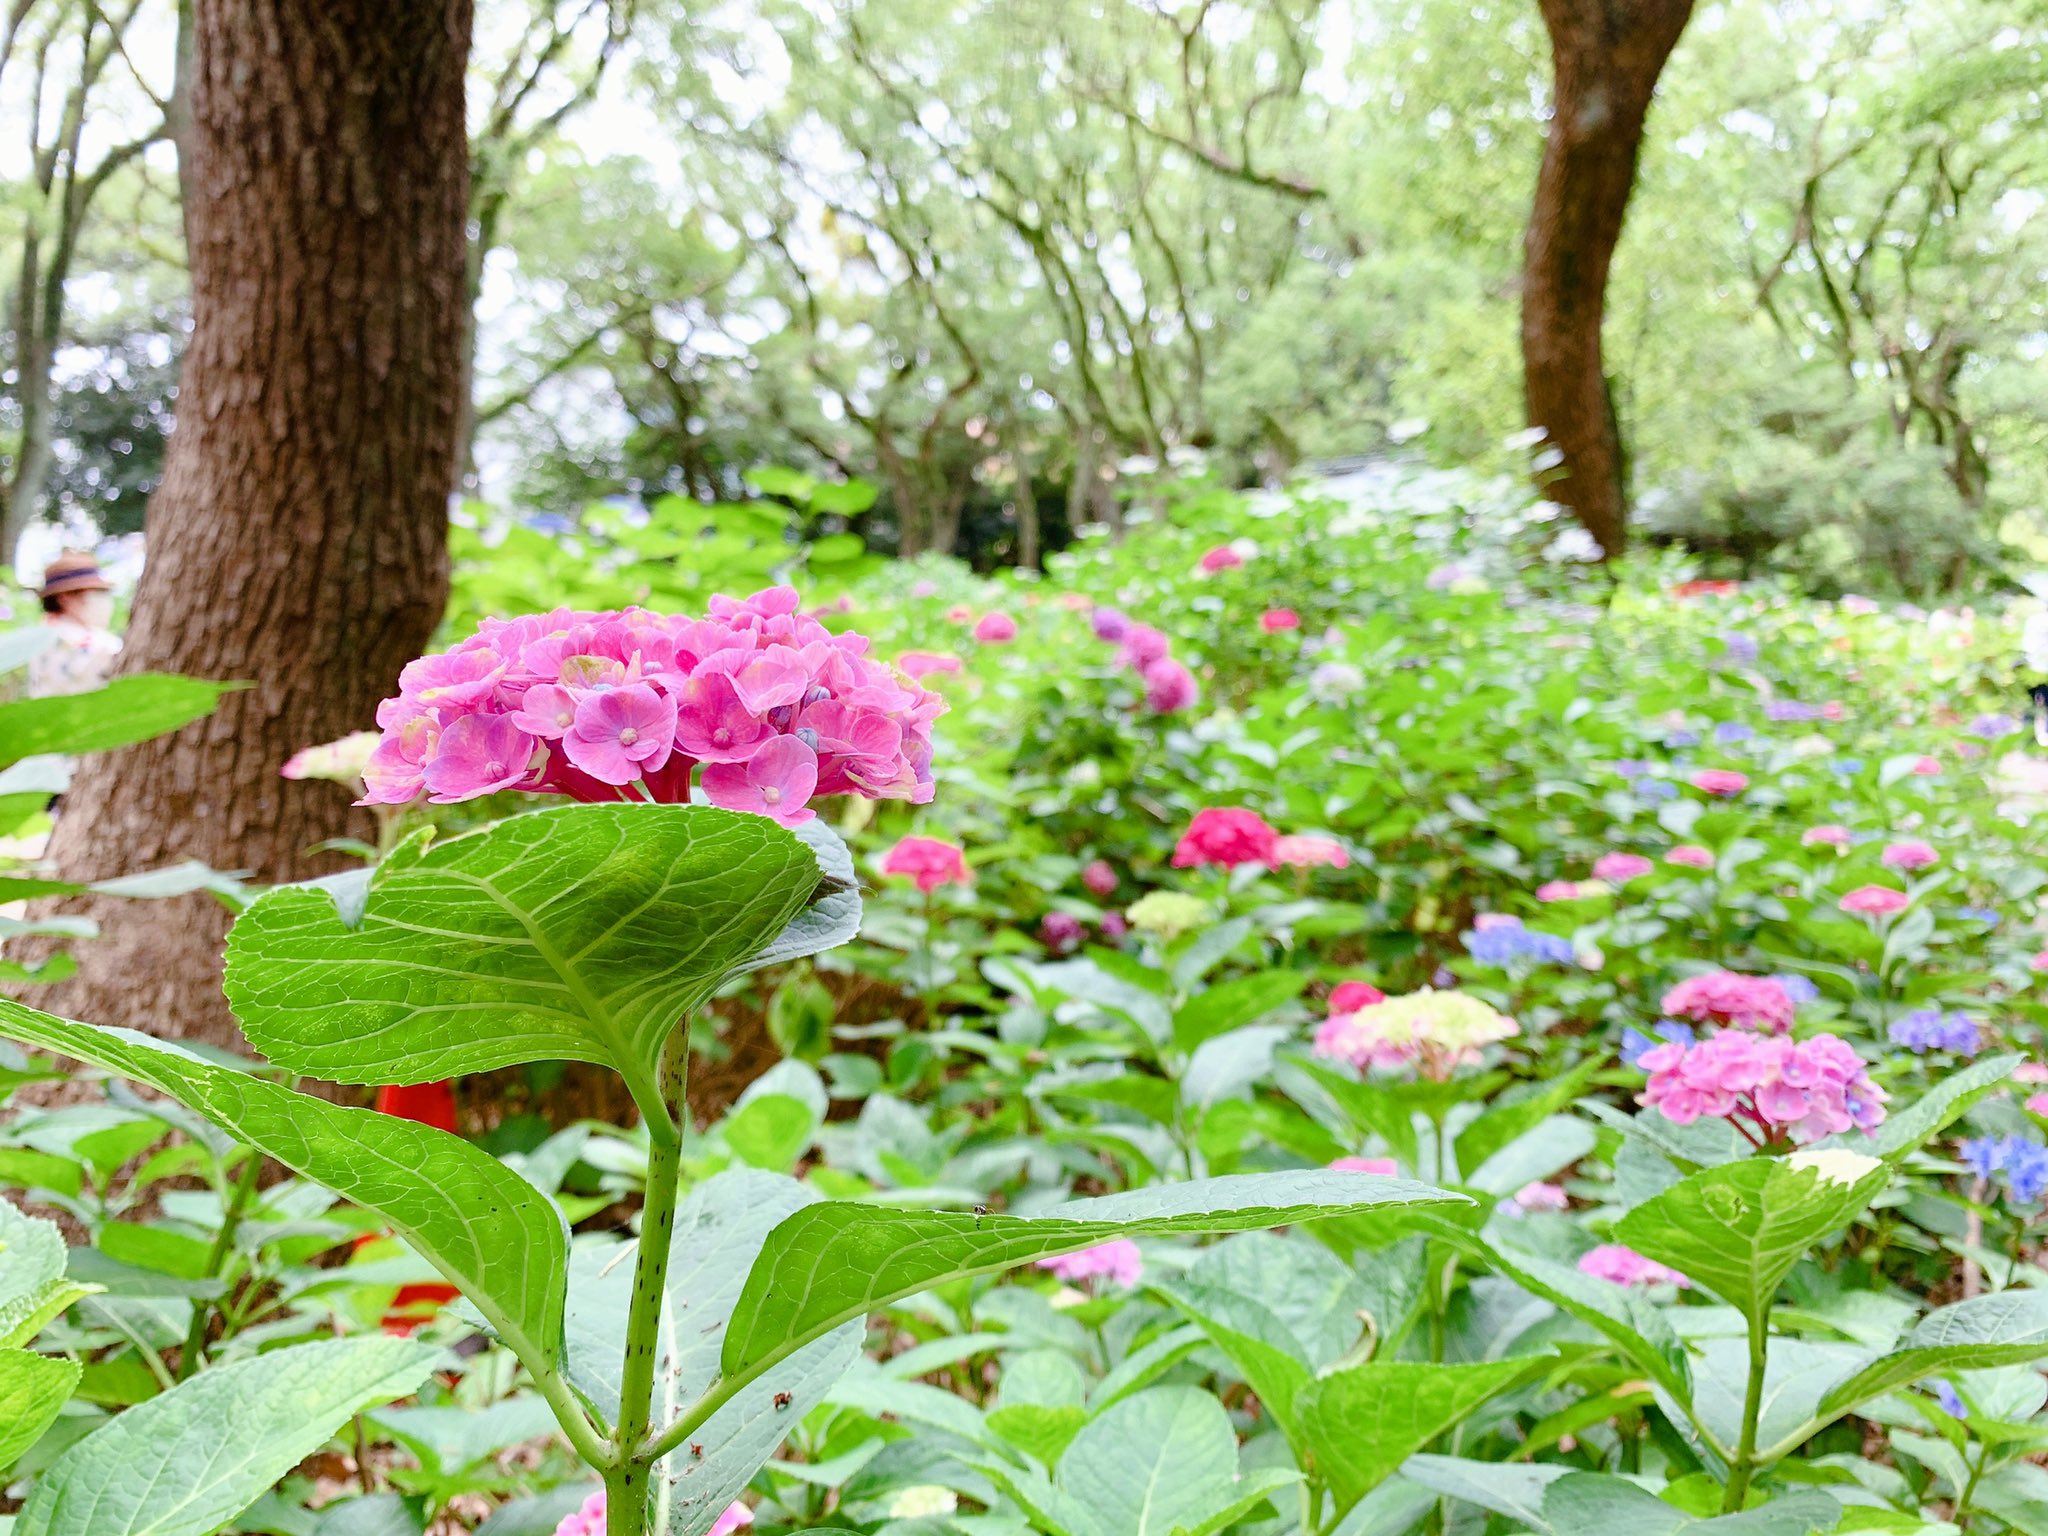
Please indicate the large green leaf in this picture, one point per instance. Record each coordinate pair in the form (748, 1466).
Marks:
(33, 1390)
(479, 1223)
(1514, 1489)
(1494, 1129)
(127, 710)
(1796, 1373)
(1243, 1000)
(187, 1462)
(1935, 1110)
(1591, 1501)
(578, 933)
(1255, 1341)
(2008, 1328)
(1359, 1425)
(1624, 1316)
(835, 1261)
(1740, 1228)
(1161, 1461)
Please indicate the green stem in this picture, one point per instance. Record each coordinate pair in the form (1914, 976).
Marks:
(1961, 1513)
(1744, 1466)
(625, 1478)
(216, 1261)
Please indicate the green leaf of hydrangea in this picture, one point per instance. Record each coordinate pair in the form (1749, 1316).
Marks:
(187, 1462)
(479, 1223)
(577, 933)
(834, 1261)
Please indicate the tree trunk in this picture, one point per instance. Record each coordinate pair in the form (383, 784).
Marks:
(299, 540)
(1606, 56)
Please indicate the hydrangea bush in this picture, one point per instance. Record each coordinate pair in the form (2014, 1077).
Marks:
(1476, 1062)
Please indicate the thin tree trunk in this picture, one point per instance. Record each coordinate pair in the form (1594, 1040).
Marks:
(299, 540)
(1027, 505)
(1606, 56)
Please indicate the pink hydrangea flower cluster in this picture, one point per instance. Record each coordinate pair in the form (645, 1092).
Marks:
(1541, 1196)
(1619, 868)
(1226, 835)
(1723, 997)
(589, 1520)
(995, 629)
(1875, 901)
(1222, 558)
(1828, 836)
(1117, 1261)
(1384, 1166)
(1691, 856)
(1273, 620)
(1766, 1086)
(1303, 850)
(930, 861)
(1909, 853)
(1721, 783)
(1624, 1266)
(1169, 686)
(776, 707)
(1435, 1031)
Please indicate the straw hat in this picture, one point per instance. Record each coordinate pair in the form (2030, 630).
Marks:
(73, 571)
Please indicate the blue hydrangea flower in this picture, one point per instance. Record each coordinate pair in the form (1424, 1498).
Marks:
(1631, 767)
(1790, 711)
(1503, 945)
(1988, 916)
(1799, 988)
(1678, 741)
(1929, 1029)
(2020, 1164)
(1729, 732)
(1655, 791)
(1951, 1401)
(1848, 767)
(1991, 727)
(1740, 649)
(1634, 1042)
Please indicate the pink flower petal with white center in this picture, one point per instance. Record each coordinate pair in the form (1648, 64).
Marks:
(477, 755)
(621, 733)
(712, 725)
(546, 711)
(775, 782)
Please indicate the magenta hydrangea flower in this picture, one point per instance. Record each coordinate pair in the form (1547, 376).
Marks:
(995, 629)
(921, 664)
(1624, 1266)
(1875, 901)
(1350, 996)
(1926, 767)
(1909, 853)
(1229, 836)
(1385, 1166)
(1691, 855)
(774, 782)
(1722, 783)
(626, 705)
(929, 861)
(1766, 1086)
(1169, 687)
(1829, 836)
(1558, 890)
(1099, 877)
(1724, 997)
(1301, 850)
(1117, 1261)
(1620, 867)
(1221, 558)
(1274, 620)
(1540, 1196)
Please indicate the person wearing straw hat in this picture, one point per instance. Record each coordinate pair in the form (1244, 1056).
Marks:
(78, 604)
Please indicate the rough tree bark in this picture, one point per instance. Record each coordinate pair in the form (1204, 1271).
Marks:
(299, 540)
(1606, 56)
